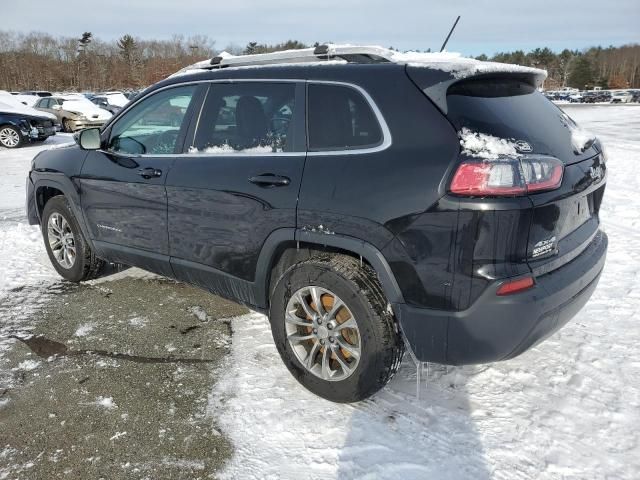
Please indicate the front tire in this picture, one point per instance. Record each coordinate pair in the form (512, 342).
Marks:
(67, 126)
(332, 328)
(10, 137)
(67, 248)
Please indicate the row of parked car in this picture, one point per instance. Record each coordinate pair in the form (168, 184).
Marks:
(594, 96)
(34, 115)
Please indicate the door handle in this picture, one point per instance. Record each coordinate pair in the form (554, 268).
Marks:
(149, 172)
(270, 180)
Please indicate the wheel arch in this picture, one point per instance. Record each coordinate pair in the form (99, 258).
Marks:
(45, 189)
(284, 247)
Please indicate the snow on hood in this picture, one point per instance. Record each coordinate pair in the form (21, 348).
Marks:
(9, 105)
(481, 145)
(86, 108)
(29, 100)
(117, 99)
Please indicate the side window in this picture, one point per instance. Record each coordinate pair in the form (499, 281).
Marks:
(44, 103)
(252, 117)
(340, 118)
(152, 126)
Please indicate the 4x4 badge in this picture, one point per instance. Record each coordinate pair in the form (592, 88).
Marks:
(523, 147)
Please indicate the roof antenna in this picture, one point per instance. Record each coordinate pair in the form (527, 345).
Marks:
(450, 32)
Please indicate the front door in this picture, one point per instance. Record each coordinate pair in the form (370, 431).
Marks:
(238, 184)
(122, 185)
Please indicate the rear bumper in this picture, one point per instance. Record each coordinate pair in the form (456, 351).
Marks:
(499, 328)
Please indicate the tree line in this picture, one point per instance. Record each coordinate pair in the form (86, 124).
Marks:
(43, 62)
(40, 61)
(611, 67)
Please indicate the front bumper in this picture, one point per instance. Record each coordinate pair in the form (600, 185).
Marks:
(82, 124)
(499, 328)
(38, 133)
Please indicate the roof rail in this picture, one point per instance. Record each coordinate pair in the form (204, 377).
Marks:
(351, 54)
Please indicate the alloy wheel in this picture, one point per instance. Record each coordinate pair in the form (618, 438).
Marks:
(323, 333)
(9, 137)
(61, 240)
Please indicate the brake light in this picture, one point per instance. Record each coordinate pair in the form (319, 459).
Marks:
(507, 176)
(515, 286)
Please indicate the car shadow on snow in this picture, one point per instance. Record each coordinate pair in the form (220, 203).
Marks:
(281, 430)
(395, 434)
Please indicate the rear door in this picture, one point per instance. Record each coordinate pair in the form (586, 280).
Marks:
(239, 184)
(122, 185)
(46, 105)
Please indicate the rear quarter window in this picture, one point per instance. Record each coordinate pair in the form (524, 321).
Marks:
(340, 118)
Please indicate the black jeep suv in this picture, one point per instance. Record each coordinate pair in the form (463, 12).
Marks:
(366, 201)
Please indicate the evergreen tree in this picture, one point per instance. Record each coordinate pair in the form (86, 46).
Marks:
(581, 73)
(129, 52)
(251, 48)
(85, 40)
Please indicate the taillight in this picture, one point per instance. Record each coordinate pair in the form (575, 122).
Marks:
(507, 176)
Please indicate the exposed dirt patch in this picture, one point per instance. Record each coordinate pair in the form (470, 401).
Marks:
(113, 382)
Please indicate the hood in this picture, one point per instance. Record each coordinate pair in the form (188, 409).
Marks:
(9, 106)
(86, 108)
(29, 100)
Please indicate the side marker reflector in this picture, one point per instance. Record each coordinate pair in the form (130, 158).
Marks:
(515, 286)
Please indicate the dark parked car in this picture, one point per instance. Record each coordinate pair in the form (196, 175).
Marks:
(18, 128)
(103, 102)
(337, 198)
(37, 93)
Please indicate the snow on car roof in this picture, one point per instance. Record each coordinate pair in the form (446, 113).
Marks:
(459, 66)
(451, 62)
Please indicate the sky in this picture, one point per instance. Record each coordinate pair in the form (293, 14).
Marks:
(485, 26)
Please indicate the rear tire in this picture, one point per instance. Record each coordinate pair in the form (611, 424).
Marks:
(69, 252)
(372, 352)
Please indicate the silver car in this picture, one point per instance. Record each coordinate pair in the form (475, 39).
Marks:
(74, 112)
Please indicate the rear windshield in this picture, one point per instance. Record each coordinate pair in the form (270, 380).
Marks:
(513, 109)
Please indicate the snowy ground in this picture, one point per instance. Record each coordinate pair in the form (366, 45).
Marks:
(568, 409)
(26, 276)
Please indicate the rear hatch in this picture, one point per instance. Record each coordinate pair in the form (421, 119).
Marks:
(509, 107)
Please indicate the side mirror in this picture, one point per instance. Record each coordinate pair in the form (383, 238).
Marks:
(89, 139)
(57, 107)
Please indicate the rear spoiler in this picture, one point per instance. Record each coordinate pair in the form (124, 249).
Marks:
(435, 81)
